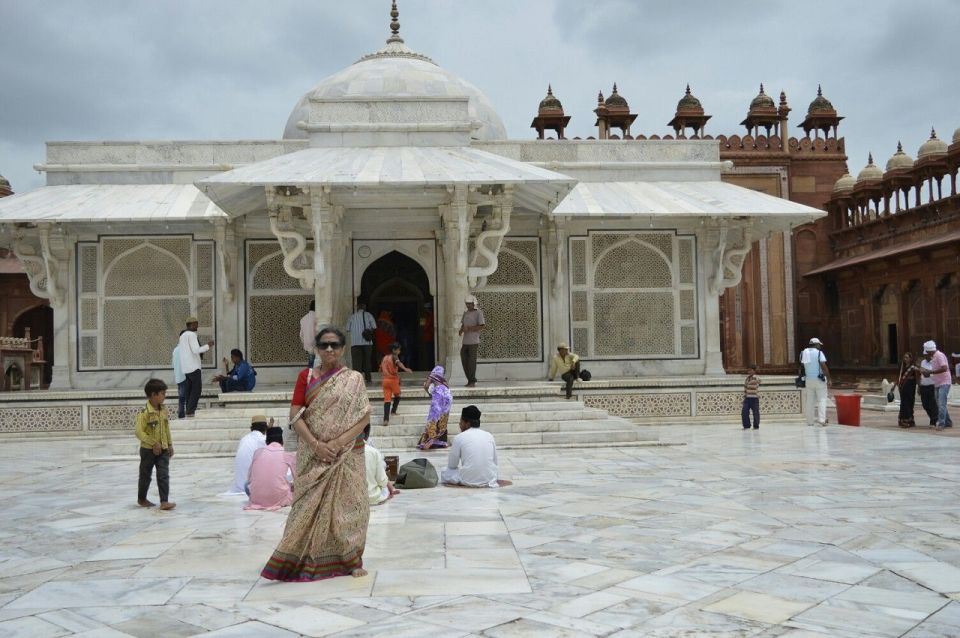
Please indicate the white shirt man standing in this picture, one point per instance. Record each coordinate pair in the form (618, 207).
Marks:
(361, 348)
(308, 332)
(814, 364)
(473, 456)
(189, 350)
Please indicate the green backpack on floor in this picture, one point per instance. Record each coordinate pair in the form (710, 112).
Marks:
(416, 474)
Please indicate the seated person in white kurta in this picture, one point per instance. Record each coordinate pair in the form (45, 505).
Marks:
(379, 489)
(473, 456)
(253, 441)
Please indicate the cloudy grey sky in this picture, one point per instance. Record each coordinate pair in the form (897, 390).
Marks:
(233, 69)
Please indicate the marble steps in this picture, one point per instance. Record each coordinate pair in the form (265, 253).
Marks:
(418, 404)
(617, 434)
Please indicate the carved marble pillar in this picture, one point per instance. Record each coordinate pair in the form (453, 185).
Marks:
(721, 258)
(556, 245)
(455, 247)
(227, 320)
(326, 227)
(47, 258)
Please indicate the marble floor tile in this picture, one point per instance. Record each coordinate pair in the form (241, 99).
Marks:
(833, 571)
(162, 624)
(114, 592)
(471, 613)
(580, 607)
(311, 621)
(30, 627)
(938, 576)
(760, 607)
(251, 629)
(413, 582)
(669, 588)
(341, 587)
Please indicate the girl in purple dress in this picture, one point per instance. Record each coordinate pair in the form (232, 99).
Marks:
(435, 433)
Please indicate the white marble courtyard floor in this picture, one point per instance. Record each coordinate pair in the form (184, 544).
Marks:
(788, 531)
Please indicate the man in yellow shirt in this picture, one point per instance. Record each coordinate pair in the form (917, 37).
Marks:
(156, 447)
(567, 365)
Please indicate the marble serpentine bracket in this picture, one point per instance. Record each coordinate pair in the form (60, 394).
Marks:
(292, 243)
(556, 244)
(729, 256)
(227, 256)
(43, 269)
(502, 209)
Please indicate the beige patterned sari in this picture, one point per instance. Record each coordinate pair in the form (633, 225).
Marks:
(327, 527)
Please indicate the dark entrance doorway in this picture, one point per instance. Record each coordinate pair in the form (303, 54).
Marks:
(892, 344)
(397, 292)
(39, 320)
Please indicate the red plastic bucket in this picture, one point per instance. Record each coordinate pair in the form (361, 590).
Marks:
(848, 409)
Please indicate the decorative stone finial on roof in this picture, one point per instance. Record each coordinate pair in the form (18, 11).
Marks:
(394, 24)
(599, 97)
(550, 103)
(762, 100)
(616, 99)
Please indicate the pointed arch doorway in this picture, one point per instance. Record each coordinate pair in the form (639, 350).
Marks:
(396, 290)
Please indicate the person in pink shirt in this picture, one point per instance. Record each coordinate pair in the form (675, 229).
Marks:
(940, 373)
(270, 485)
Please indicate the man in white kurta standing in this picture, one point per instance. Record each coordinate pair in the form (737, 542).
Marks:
(471, 325)
(308, 332)
(190, 351)
(361, 326)
(250, 443)
(472, 461)
(817, 376)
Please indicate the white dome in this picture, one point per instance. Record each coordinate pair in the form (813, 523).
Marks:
(398, 72)
(870, 173)
(899, 160)
(934, 147)
(845, 184)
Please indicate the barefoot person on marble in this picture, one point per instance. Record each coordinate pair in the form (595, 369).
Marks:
(326, 530)
(156, 447)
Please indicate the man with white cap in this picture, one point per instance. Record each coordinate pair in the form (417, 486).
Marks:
(939, 371)
(471, 325)
(189, 352)
(814, 369)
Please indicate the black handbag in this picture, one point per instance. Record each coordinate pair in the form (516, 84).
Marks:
(585, 375)
(368, 334)
(890, 397)
(800, 381)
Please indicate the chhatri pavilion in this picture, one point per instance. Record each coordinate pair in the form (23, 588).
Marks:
(394, 182)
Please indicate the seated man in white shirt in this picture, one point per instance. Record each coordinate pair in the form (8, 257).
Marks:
(379, 488)
(250, 443)
(473, 456)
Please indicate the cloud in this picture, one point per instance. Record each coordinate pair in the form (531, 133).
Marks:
(109, 69)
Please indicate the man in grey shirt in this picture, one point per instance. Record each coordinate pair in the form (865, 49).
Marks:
(471, 324)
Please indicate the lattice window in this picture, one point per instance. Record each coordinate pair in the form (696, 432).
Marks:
(275, 304)
(144, 289)
(204, 267)
(89, 271)
(140, 333)
(578, 262)
(638, 295)
(511, 304)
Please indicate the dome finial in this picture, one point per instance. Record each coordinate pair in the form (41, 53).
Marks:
(899, 147)
(688, 88)
(600, 97)
(870, 158)
(394, 24)
(549, 89)
(933, 133)
(614, 87)
(819, 91)
(761, 89)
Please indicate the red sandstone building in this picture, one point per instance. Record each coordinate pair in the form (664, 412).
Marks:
(874, 279)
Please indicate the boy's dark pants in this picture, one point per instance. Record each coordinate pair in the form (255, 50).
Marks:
(928, 398)
(147, 461)
(182, 391)
(569, 377)
(750, 404)
(194, 386)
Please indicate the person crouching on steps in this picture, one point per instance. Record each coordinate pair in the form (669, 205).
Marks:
(156, 448)
(751, 398)
(390, 367)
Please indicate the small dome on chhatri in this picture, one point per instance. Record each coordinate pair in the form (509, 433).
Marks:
(845, 184)
(934, 147)
(899, 160)
(616, 99)
(550, 103)
(762, 100)
(870, 173)
(689, 103)
(820, 103)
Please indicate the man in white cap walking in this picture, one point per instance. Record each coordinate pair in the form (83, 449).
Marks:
(190, 363)
(471, 325)
(939, 371)
(817, 375)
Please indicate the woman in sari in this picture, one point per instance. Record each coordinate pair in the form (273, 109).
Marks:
(327, 527)
(435, 434)
(908, 391)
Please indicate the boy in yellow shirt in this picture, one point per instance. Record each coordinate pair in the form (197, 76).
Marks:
(156, 448)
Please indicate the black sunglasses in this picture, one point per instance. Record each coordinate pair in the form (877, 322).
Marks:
(329, 345)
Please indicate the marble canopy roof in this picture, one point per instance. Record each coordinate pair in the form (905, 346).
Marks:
(680, 199)
(82, 203)
(241, 191)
